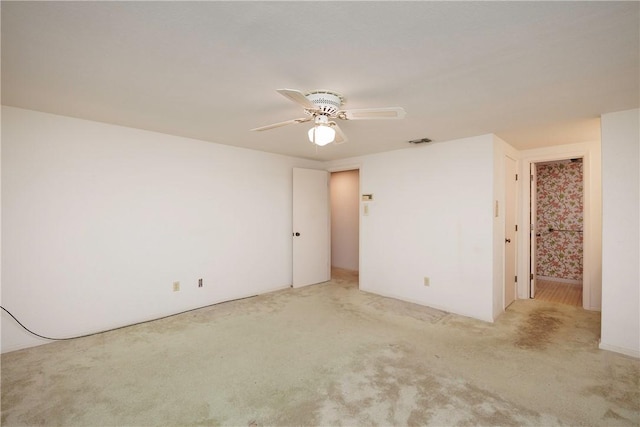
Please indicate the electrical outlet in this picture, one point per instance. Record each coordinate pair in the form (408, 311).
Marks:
(426, 281)
(199, 283)
(176, 286)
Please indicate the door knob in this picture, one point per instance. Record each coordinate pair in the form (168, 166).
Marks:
(507, 240)
(296, 234)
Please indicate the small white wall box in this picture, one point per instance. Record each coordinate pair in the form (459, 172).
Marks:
(367, 197)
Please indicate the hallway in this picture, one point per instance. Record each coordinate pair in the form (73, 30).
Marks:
(563, 293)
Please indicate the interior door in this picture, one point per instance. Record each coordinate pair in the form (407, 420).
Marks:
(510, 232)
(533, 232)
(311, 227)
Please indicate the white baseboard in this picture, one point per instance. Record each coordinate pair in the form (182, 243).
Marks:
(560, 280)
(622, 350)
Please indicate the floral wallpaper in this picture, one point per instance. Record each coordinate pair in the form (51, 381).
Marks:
(559, 220)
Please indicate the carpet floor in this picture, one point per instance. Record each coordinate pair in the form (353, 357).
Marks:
(328, 355)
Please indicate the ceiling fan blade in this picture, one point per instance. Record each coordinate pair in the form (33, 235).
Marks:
(340, 136)
(277, 125)
(297, 97)
(374, 113)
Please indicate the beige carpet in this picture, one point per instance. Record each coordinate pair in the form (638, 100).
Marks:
(328, 355)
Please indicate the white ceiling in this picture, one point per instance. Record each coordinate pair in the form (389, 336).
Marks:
(534, 73)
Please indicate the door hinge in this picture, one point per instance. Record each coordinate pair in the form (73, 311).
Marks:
(531, 177)
(516, 279)
(516, 177)
(531, 276)
(516, 227)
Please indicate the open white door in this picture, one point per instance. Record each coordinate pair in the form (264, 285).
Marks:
(510, 232)
(311, 227)
(533, 232)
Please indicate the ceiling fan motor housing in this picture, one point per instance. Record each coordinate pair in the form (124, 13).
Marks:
(327, 102)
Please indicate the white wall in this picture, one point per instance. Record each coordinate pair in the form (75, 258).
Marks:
(98, 221)
(431, 216)
(592, 233)
(621, 232)
(345, 205)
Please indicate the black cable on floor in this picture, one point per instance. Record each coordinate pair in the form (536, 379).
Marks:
(113, 329)
(49, 338)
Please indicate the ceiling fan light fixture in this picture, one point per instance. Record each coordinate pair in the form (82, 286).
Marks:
(322, 135)
(323, 105)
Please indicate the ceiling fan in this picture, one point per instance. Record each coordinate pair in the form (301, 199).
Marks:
(322, 106)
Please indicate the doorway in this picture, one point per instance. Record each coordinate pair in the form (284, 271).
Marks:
(557, 245)
(344, 189)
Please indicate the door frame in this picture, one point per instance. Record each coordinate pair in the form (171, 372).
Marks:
(351, 167)
(524, 288)
(532, 226)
